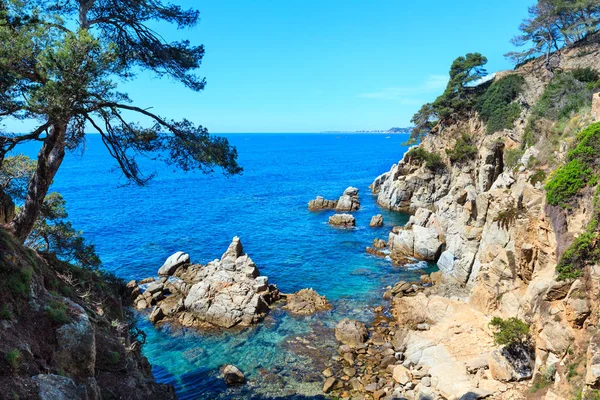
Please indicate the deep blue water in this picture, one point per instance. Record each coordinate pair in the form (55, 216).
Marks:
(135, 229)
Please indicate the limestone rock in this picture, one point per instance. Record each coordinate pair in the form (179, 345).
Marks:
(233, 375)
(306, 302)
(343, 220)
(401, 374)
(376, 221)
(348, 201)
(320, 203)
(173, 262)
(351, 333)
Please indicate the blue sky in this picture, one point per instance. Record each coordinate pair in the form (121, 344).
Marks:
(316, 65)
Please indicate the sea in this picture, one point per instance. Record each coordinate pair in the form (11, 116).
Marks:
(136, 228)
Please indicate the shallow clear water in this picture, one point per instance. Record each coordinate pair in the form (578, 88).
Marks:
(136, 229)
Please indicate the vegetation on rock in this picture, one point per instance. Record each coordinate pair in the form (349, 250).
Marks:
(463, 151)
(431, 160)
(496, 107)
(509, 331)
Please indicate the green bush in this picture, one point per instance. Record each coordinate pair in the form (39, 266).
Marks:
(509, 331)
(17, 281)
(512, 157)
(5, 313)
(505, 218)
(564, 96)
(463, 151)
(537, 177)
(566, 182)
(430, 160)
(496, 106)
(13, 358)
(57, 312)
(585, 75)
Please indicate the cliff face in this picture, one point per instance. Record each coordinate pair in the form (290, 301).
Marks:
(65, 332)
(501, 244)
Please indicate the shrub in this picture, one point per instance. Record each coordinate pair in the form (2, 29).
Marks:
(566, 182)
(13, 358)
(512, 157)
(585, 75)
(509, 331)
(57, 312)
(430, 160)
(5, 313)
(496, 106)
(505, 218)
(562, 97)
(463, 151)
(18, 281)
(537, 177)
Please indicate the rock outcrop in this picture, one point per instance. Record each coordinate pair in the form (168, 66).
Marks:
(320, 204)
(342, 220)
(172, 263)
(233, 375)
(224, 293)
(376, 221)
(306, 302)
(351, 333)
(349, 201)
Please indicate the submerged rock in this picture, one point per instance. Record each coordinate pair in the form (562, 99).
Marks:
(225, 293)
(306, 302)
(343, 220)
(233, 375)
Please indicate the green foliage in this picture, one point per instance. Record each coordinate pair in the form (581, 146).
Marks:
(463, 150)
(585, 75)
(458, 98)
(496, 106)
(512, 157)
(57, 312)
(13, 359)
(580, 170)
(15, 281)
(509, 331)
(566, 182)
(538, 176)
(5, 313)
(564, 96)
(431, 160)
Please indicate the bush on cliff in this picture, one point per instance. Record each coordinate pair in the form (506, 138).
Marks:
(511, 331)
(431, 161)
(497, 108)
(463, 150)
(564, 96)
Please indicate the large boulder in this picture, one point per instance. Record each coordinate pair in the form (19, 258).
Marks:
(230, 292)
(173, 262)
(511, 363)
(306, 302)
(342, 220)
(415, 242)
(56, 387)
(592, 371)
(233, 375)
(320, 203)
(376, 221)
(348, 201)
(76, 343)
(351, 333)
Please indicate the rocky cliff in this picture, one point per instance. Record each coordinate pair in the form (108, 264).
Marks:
(486, 222)
(65, 332)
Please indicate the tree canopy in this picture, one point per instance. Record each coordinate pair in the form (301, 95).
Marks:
(60, 65)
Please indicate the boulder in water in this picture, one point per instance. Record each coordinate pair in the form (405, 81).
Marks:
(351, 333)
(348, 201)
(376, 221)
(173, 262)
(306, 302)
(343, 220)
(233, 375)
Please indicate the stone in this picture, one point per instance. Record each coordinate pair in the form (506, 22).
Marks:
(55, 387)
(173, 262)
(510, 363)
(321, 203)
(76, 343)
(376, 221)
(592, 370)
(401, 375)
(416, 242)
(351, 333)
(343, 220)
(348, 202)
(233, 375)
(426, 381)
(306, 302)
(156, 315)
(327, 373)
(329, 384)
(387, 360)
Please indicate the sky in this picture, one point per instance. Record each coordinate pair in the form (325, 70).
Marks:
(324, 65)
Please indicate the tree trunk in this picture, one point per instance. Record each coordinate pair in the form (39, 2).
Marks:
(49, 160)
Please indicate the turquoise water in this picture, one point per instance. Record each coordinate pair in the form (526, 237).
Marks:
(136, 229)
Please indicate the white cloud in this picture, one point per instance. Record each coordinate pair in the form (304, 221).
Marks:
(406, 94)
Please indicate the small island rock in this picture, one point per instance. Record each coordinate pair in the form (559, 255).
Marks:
(320, 203)
(348, 201)
(376, 221)
(343, 220)
(306, 302)
(233, 375)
